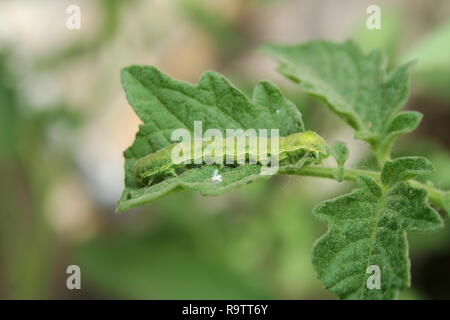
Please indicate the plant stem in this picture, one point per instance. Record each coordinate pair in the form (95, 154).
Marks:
(436, 196)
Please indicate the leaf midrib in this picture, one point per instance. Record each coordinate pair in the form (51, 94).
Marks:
(372, 241)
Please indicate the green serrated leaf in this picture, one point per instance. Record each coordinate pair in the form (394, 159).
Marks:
(165, 104)
(404, 122)
(340, 152)
(354, 85)
(405, 168)
(367, 227)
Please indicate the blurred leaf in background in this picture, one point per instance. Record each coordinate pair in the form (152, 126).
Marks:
(209, 19)
(433, 61)
(388, 38)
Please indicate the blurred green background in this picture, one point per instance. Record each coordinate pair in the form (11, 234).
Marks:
(64, 122)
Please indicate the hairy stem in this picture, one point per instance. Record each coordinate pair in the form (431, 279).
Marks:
(436, 196)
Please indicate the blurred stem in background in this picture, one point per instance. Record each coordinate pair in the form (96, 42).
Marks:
(26, 254)
(28, 166)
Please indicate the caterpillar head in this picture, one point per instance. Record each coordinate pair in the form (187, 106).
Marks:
(308, 141)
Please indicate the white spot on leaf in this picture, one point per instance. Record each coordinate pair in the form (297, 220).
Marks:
(216, 176)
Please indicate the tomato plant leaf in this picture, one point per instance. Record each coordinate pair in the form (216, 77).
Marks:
(353, 85)
(368, 226)
(405, 168)
(340, 152)
(165, 104)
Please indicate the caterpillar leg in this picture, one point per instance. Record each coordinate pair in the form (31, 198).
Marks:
(300, 161)
(305, 160)
(172, 172)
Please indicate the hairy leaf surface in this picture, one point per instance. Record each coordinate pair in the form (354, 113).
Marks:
(368, 227)
(340, 152)
(355, 86)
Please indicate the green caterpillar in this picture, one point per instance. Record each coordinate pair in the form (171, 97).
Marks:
(291, 149)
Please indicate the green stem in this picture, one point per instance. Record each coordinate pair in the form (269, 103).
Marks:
(436, 197)
(328, 172)
(382, 152)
